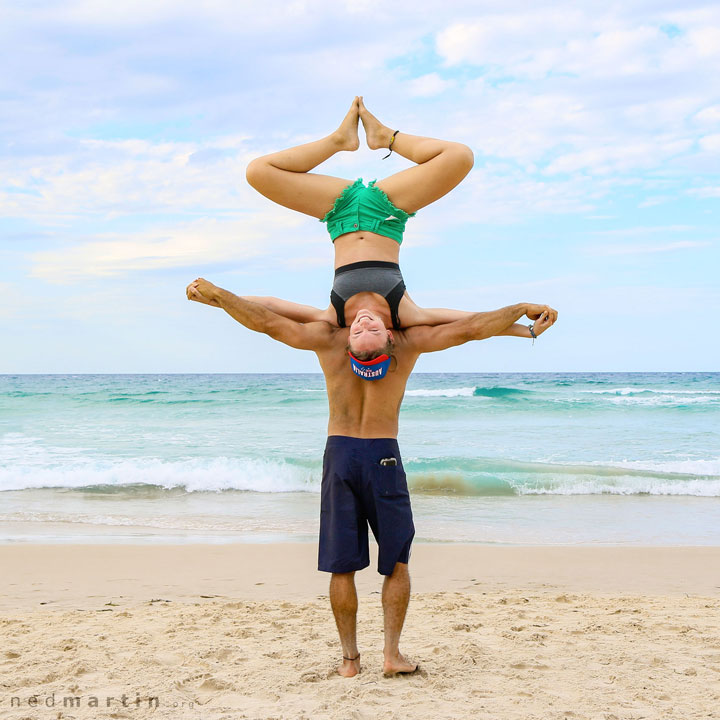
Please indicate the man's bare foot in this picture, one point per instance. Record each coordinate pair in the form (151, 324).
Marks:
(378, 135)
(350, 668)
(398, 664)
(346, 136)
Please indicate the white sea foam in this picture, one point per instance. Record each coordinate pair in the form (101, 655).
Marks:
(625, 486)
(442, 392)
(202, 474)
(678, 476)
(638, 390)
(667, 400)
(26, 463)
(649, 396)
(614, 391)
(705, 467)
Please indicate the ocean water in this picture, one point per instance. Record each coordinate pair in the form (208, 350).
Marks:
(516, 458)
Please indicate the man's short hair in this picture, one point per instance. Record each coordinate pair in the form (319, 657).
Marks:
(367, 355)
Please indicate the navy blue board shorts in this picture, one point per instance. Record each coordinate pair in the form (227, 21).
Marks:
(356, 491)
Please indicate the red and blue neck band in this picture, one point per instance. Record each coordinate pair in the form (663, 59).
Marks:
(370, 369)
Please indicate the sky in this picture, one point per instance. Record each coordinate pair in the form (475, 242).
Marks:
(126, 129)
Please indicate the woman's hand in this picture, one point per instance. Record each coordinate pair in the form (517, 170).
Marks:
(202, 291)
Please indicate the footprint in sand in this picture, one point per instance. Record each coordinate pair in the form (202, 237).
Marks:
(213, 684)
(208, 684)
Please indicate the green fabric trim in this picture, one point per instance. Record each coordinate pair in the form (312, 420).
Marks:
(341, 197)
(360, 207)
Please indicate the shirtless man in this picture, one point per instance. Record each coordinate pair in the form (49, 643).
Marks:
(363, 477)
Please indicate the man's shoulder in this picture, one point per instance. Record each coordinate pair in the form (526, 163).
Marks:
(411, 337)
(324, 329)
(404, 337)
(329, 337)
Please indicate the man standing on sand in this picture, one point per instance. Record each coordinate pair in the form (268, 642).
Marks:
(363, 477)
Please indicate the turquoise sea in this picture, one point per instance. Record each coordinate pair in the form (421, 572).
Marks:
(516, 458)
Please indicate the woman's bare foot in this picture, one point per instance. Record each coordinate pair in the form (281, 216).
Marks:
(350, 668)
(346, 136)
(398, 664)
(378, 135)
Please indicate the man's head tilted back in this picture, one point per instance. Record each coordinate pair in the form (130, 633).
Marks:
(370, 346)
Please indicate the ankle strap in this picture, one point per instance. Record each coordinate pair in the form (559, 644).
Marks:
(392, 140)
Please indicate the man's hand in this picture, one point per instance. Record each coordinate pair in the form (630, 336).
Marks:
(202, 291)
(543, 322)
(535, 312)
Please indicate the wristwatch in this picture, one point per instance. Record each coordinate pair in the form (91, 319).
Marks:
(532, 332)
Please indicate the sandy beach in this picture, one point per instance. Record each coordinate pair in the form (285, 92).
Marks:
(246, 631)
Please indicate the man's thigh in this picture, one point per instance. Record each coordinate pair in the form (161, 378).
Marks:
(343, 542)
(387, 505)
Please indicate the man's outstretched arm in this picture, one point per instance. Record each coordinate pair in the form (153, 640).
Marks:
(304, 336)
(290, 310)
(480, 326)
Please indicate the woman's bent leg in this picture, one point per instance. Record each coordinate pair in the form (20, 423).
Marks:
(284, 176)
(441, 164)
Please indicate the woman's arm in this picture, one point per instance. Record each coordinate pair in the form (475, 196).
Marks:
(412, 314)
(289, 310)
(519, 330)
(432, 316)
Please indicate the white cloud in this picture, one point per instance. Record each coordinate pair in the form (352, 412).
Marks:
(141, 13)
(428, 85)
(198, 243)
(504, 39)
(709, 115)
(706, 192)
(605, 92)
(104, 177)
(710, 143)
(618, 157)
(607, 250)
(706, 41)
(112, 178)
(645, 230)
(653, 201)
(535, 43)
